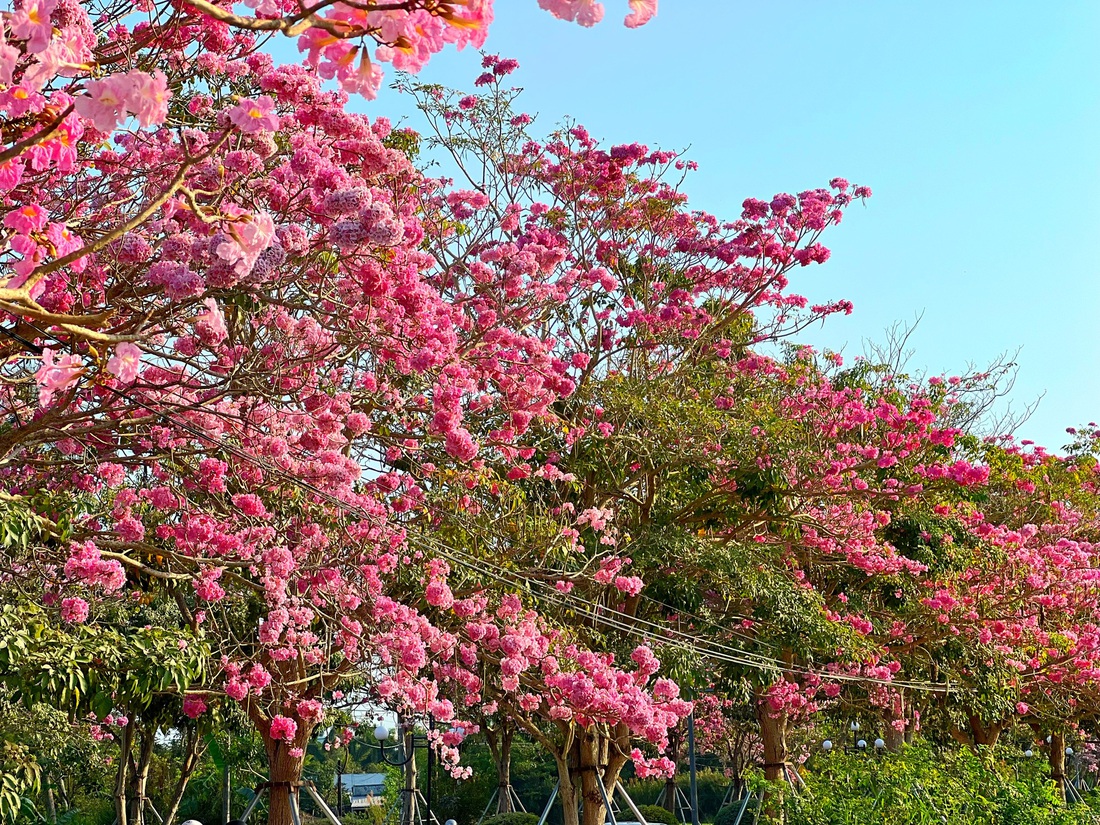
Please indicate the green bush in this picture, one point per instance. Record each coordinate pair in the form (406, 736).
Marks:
(921, 785)
(727, 815)
(655, 813)
(712, 789)
(514, 818)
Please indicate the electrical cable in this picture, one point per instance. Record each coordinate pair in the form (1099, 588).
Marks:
(689, 643)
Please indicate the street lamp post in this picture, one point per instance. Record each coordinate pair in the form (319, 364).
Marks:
(382, 734)
(858, 745)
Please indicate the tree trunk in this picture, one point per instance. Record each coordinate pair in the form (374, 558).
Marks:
(284, 773)
(591, 762)
(499, 742)
(773, 735)
(409, 804)
(139, 780)
(895, 722)
(187, 767)
(668, 796)
(504, 772)
(982, 734)
(125, 744)
(589, 751)
(1058, 762)
(567, 791)
(51, 804)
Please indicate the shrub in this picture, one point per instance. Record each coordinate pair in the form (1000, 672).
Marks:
(727, 814)
(656, 814)
(713, 786)
(514, 818)
(922, 785)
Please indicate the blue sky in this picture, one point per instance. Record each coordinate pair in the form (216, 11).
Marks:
(977, 125)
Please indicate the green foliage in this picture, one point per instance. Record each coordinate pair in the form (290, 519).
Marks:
(514, 818)
(922, 785)
(93, 668)
(655, 813)
(711, 787)
(728, 814)
(20, 774)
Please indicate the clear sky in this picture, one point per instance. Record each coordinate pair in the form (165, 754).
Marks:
(977, 124)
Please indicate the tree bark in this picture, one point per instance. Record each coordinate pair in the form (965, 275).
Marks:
(773, 736)
(596, 757)
(284, 771)
(567, 791)
(977, 733)
(409, 804)
(190, 759)
(668, 796)
(284, 774)
(499, 742)
(140, 779)
(125, 744)
(51, 804)
(893, 733)
(983, 734)
(590, 753)
(1058, 762)
(504, 772)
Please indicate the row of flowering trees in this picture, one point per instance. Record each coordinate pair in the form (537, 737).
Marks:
(288, 422)
(223, 332)
(837, 537)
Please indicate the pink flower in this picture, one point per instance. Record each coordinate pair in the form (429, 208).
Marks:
(56, 375)
(124, 364)
(147, 97)
(258, 677)
(310, 710)
(296, 753)
(74, 611)
(641, 12)
(438, 594)
(193, 707)
(255, 115)
(27, 219)
(249, 239)
(32, 23)
(105, 102)
(1022, 708)
(283, 728)
(87, 565)
(9, 57)
(585, 12)
(210, 325)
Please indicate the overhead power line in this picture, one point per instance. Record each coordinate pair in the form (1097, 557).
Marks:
(640, 628)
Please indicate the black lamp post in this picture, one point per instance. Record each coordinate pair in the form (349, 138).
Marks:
(382, 734)
(858, 745)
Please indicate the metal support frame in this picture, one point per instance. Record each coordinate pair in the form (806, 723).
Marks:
(680, 802)
(295, 810)
(608, 801)
(512, 795)
(549, 803)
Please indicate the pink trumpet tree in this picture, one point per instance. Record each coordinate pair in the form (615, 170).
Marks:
(222, 332)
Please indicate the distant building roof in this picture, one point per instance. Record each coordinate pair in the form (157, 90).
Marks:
(370, 779)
